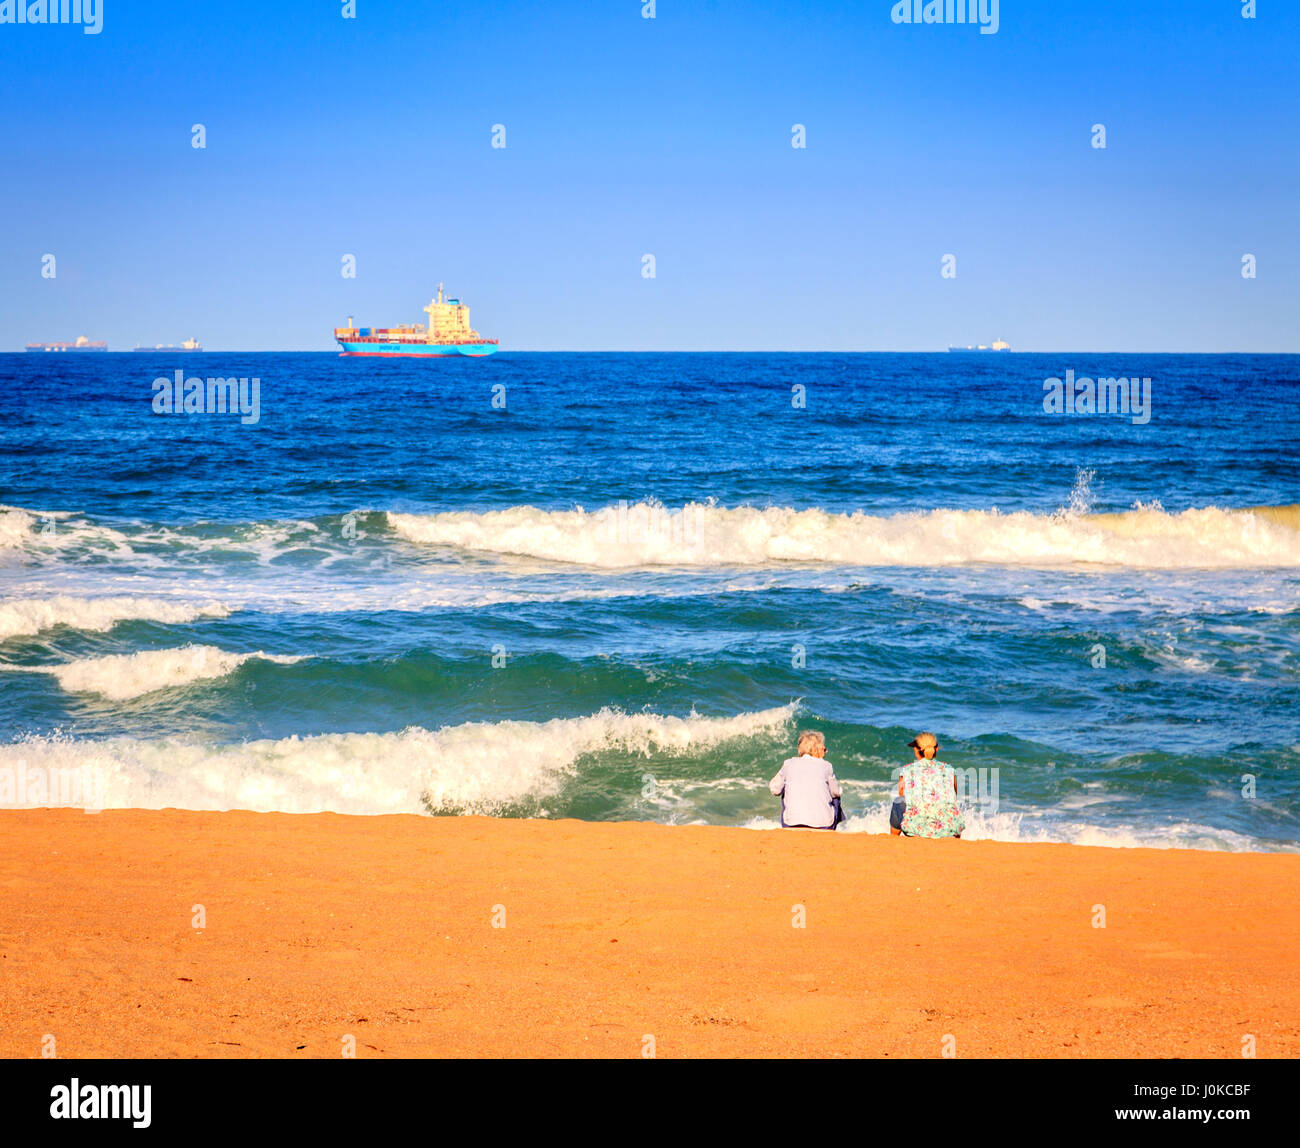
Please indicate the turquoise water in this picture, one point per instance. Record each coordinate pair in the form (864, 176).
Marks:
(622, 594)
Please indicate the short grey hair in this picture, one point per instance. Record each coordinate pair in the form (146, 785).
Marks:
(809, 740)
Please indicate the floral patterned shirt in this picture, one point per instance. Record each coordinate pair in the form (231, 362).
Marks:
(932, 809)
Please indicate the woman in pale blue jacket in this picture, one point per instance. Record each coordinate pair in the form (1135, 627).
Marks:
(808, 788)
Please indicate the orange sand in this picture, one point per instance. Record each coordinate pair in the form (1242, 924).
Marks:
(381, 927)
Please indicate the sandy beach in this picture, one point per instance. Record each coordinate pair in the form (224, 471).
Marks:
(323, 926)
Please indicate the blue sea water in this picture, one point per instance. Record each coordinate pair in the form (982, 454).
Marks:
(613, 586)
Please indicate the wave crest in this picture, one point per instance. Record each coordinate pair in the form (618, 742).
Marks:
(479, 767)
(21, 617)
(702, 534)
(122, 676)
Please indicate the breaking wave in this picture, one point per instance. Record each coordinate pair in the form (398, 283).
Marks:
(122, 676)
(20, 617)
(477, 767)
(700, 534)
(703, 534)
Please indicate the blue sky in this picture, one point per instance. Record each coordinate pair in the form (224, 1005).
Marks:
(669, 136)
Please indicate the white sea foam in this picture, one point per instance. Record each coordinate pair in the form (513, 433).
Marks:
(1192, 663)
(40, 531)
(707, 535)
(478, 766)
(647, 534)
(25, 616)
(15, 527)
(1006, 825)
(121, 676)
(84, 599)
(58, 536)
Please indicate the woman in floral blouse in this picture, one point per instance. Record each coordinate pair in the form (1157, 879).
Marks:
(926, 805)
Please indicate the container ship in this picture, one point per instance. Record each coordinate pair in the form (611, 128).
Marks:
(447, 333)
(188, 345)
(998, 345)
(81, 344)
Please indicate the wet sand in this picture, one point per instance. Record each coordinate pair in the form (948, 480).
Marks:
(621, 938)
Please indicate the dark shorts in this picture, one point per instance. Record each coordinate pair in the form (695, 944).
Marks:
(835, 805)
(896, 814)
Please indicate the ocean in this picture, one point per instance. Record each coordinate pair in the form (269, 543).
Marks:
(615, 586)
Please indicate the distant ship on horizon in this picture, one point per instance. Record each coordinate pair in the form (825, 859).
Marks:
(81, 343)
(448, 333)
(998, 345)
(188, 345)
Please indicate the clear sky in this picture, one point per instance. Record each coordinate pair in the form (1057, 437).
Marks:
(670, 136)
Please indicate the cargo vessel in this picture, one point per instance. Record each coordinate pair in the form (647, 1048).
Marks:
(188, 345)
(998, 345)
(447, 333)
(81, 344)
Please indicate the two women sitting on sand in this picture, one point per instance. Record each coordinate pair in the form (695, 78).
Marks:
(926, 805)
